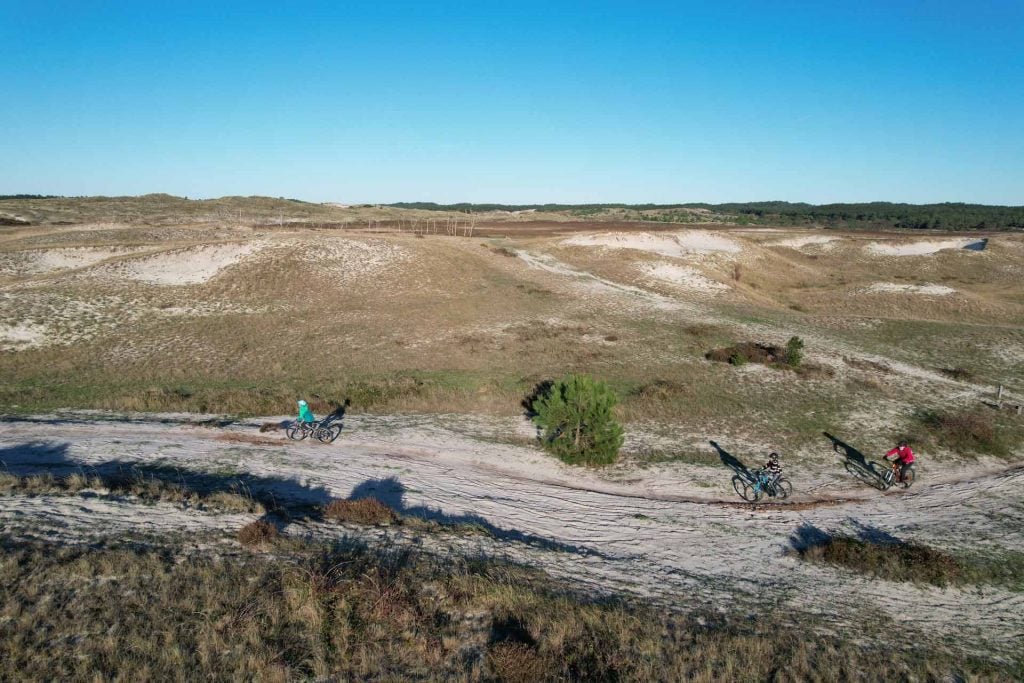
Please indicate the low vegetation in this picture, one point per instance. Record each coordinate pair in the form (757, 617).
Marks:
(361, 511)
(963, 431)
(891, 559)
(140, 611)
(790, 356)
(575, 415)
(130, 482)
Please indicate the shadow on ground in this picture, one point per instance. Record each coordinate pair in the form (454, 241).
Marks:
(391, 492)
(286, 499)
(808, 536)
(733, 463)
(856, 463)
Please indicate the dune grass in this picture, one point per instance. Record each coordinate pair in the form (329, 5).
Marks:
(133, 612)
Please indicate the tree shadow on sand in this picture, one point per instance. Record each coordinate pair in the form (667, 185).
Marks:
(285, 499)
(856, 463)
(391, 492)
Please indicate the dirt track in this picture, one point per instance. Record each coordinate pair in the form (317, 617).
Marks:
(629, 537)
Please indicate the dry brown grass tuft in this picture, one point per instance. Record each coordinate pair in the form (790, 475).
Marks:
(516, 663)
(257, 533)
(361, 511)
(896, 561)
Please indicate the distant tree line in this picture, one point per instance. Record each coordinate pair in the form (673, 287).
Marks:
(946, 216)
(29, 196)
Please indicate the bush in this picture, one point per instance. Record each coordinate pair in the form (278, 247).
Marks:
(361, 511)
(794, 352)
(899, 561)
(259, 532)
(575, 414)
(972, 431)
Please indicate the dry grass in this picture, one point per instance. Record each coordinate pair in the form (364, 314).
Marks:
(964, 431)
(896, 560)
(135, 483)
(258, 533)
(362, 511)
(453, 328)
(129, 613)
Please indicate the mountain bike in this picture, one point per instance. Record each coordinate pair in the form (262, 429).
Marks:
(890, 476)
(752, 488)
(322, 430)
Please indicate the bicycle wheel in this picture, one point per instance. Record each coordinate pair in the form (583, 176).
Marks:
(783, 489)
(295, 432)
(744, 489)
(908, 478)
(327, 434)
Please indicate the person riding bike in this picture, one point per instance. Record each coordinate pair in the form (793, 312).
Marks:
(772, 469)
(305, 414)
(904, 457)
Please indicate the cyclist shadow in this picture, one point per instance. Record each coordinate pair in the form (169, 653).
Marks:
(856, 462)
(733, 463)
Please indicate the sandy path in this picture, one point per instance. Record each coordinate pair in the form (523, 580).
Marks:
(674, 551)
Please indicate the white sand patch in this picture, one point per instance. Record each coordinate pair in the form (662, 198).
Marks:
(347, 259)
(683, 276)
(805, 241)
(21, 336)
(923, 248)
(36, 261)
(677, 245)
(189, 266)
(594, 283)
(895, 288)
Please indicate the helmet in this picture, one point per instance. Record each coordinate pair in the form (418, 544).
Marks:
(302, 402)
(774, 457)
(903, 444)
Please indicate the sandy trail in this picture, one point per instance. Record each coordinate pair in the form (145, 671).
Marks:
(610, 537)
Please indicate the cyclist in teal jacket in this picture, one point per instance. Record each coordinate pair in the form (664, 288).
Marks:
(305, 414)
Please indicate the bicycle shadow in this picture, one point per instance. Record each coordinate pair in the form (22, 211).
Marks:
(733, 463)
(856, 463)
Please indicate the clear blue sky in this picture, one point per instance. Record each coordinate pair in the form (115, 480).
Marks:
(520, 102)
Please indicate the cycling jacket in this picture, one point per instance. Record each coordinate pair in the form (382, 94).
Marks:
(305, 414)
(902, 453)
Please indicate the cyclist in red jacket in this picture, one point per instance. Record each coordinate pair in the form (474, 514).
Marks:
(904, 456)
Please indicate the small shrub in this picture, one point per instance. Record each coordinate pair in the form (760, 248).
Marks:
(958, 373)
(900, 561)
(361, 511)
(969, 430)
(257, 533)
(794, 352)
(576, 417)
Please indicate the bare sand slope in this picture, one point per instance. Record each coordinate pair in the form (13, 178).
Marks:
(611, 537)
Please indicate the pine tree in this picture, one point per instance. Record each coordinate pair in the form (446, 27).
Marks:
(576, 416)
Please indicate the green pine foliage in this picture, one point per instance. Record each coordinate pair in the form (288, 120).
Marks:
(575, 415)
(794, 352)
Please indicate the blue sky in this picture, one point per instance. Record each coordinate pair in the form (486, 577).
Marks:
(522, 102)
